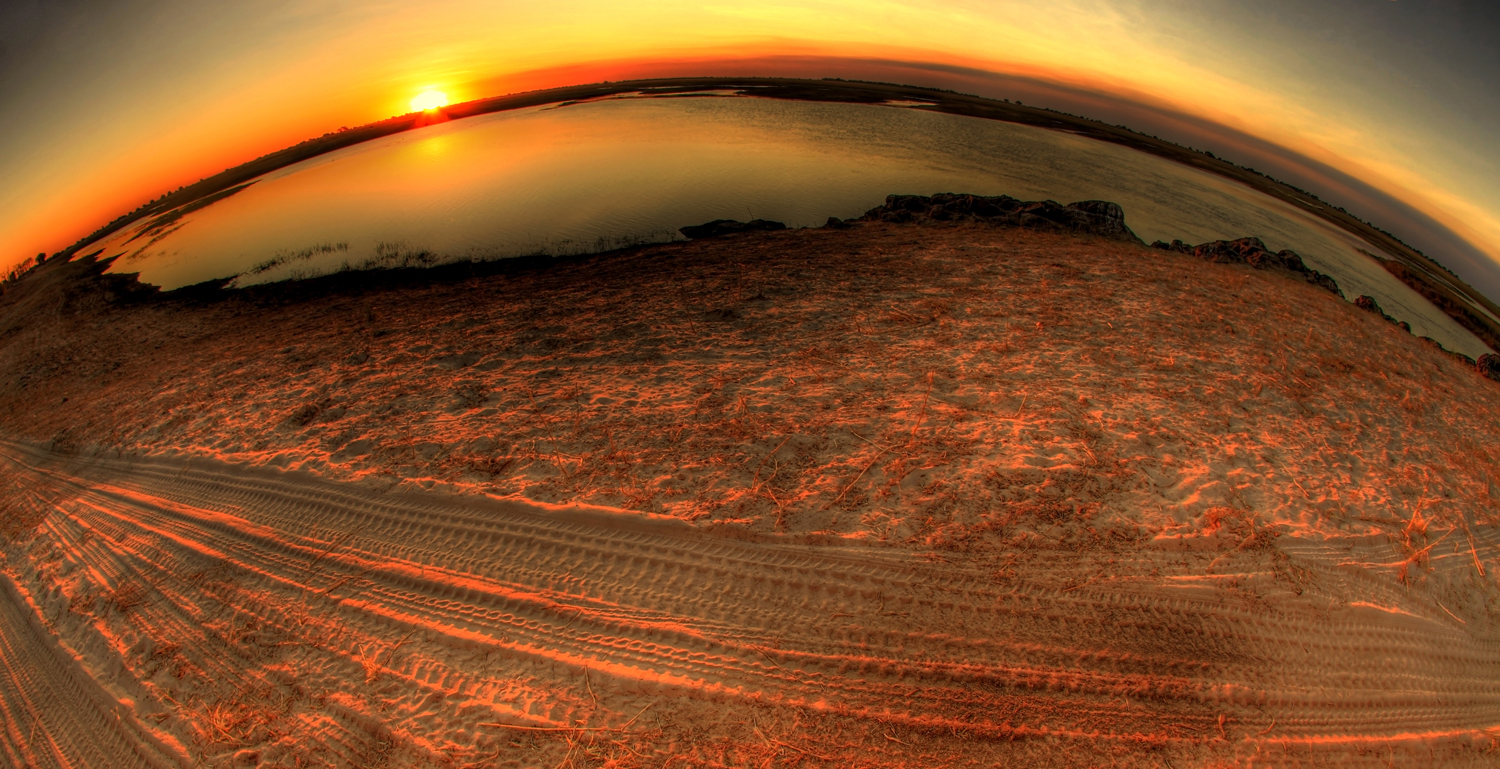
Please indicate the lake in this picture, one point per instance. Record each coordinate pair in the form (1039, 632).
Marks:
(578, 178)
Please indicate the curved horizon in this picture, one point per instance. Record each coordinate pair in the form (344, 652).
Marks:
(92, 154)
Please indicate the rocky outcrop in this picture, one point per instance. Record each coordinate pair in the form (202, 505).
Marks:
(1176, 245)
(720, 227)
(1489, 365)
(1253, 251)
(1094, 217)
(1368, 304)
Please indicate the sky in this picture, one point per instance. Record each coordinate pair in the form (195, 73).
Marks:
(1384, 106)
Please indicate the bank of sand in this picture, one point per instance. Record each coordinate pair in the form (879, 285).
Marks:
(893, 495)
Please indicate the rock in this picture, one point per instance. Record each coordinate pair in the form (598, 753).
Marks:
(1101, 217)
(1252, 251)
(720, 227)
(1095, 217)
(1489, 365)
(1368, 304)
(835, 223)
(1291, 261)
(1327, 283)
(1176, 245)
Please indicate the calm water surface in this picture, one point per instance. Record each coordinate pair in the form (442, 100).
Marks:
(578, 178)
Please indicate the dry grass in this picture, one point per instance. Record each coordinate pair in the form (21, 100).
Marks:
(233, 724)
(937, 386)
(126, 596)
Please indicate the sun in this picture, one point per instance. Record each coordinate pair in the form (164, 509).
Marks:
(429, 99)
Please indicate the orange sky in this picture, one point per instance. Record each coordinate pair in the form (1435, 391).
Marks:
(107, 107)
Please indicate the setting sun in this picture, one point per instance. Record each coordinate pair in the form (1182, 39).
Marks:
(429, 99)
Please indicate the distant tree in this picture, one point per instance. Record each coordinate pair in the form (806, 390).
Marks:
(42, 257)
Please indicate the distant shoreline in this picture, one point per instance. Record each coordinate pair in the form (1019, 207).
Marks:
(1466, 305)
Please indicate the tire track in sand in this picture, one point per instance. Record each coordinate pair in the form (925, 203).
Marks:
(298, 591)
(53, 714)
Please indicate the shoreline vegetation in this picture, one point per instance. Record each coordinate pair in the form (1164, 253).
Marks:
(288, 265)
(1465, 304)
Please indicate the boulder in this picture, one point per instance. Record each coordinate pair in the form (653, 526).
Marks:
(1251, 251)
(1176, 245)
(1100, 217)
(1368, 304)
(1291, 261)
(1489, 365)
(1327, 283)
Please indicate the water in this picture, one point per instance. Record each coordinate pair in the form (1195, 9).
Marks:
(590, 176)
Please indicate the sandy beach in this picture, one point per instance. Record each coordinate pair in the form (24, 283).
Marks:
(886, 495)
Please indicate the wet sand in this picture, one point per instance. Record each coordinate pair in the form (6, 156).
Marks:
(879, 496)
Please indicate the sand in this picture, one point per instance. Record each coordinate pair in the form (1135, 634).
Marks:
(886, 496)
